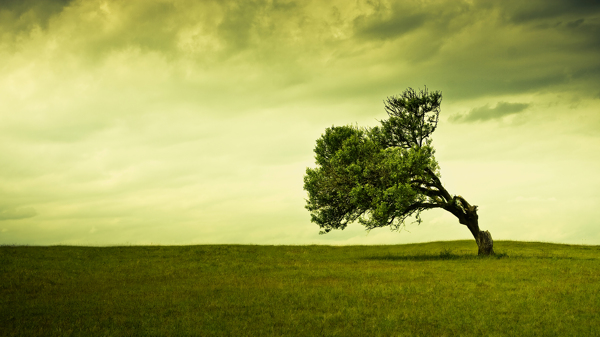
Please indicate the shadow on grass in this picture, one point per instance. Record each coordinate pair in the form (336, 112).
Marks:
(445, 254)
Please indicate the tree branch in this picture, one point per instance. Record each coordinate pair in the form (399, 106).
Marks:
(420, 206)
(431, 193)
(465, 204)
(456, 211)
(438, 184)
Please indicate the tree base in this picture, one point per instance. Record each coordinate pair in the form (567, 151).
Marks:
(485, 243)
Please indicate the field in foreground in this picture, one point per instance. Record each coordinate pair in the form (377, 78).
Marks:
(431, 289)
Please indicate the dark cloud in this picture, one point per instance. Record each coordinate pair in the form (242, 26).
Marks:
(233, 26)
(485, 113)
(577, 19)
(152, 27)
(575, 24)
(263, 28)
(471, 49)
(532, 11)
(400, 18)
(17, 213)
(22, 15)
(512, 48)
(246, 23)
(49, 7)
(390, 28)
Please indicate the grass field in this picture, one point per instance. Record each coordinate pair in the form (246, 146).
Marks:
(430, 289)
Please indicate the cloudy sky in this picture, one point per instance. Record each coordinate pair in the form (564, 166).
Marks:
(192, 122)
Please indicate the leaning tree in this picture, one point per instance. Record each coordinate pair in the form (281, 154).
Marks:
(384, 175)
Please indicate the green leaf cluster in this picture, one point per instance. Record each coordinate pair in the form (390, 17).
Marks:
(358, 179)
(378, 176)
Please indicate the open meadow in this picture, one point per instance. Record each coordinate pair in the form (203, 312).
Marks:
(429, 289)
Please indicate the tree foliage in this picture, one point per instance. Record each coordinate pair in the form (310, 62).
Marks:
(383, 175)
(413, 116)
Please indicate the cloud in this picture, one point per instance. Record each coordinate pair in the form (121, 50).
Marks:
(295, 42)
(17, 213)
(575, 24)
(186, 117)
(22, 15)
(485, 113)
(539, 10)
(388, 28)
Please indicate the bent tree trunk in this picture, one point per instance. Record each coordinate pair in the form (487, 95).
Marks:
(467, 215)
(483, 238)
(465, 212)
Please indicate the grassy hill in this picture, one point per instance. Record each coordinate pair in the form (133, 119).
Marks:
(429, 289)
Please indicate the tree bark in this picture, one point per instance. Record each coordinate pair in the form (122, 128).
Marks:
(485, 244)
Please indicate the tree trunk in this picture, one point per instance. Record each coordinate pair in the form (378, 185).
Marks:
(467, 215)
(483, 238)
(485, 243)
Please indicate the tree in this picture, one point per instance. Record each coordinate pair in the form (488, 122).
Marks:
(384, 175)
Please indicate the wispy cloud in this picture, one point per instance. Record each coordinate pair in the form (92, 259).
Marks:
(17, 213)
(485, 113)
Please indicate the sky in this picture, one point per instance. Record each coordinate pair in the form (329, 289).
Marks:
(193, 122)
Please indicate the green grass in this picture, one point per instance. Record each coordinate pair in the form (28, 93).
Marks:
(431, 289)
